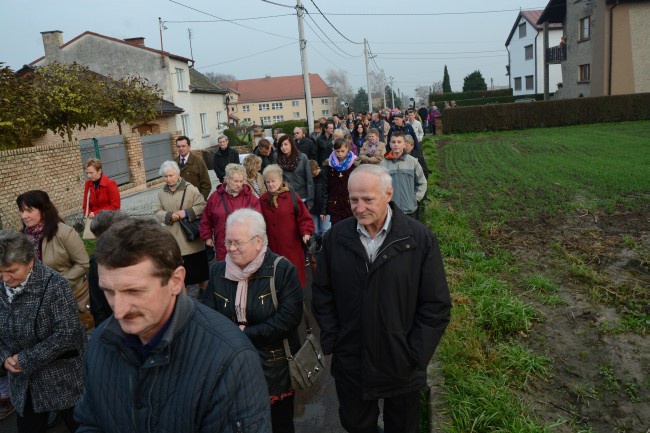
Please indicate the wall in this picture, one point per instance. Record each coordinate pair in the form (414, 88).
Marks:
(639, 17)
(519, 66)
(554, 70)
(210, 104)
(578, 53)
(54, 168)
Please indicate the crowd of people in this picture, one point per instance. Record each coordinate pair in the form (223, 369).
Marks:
(153, 287)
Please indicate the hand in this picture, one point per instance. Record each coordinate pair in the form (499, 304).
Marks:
(91, 215)
(209, 242)
(323, 218)
(242, 327)
(178, 215)
(305, 239)
(11, 364)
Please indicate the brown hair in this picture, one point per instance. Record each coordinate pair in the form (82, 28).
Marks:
(94, 162)
(134, 240)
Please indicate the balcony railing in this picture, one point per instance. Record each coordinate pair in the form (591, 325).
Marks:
(556, 54)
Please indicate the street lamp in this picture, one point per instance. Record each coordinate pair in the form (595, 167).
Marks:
(346, 105)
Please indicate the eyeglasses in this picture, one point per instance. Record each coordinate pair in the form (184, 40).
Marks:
(238, 244)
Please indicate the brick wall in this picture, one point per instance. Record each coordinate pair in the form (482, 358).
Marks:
(55, 169)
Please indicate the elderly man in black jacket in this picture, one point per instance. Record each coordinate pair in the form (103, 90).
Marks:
(162, 362)
(381, 300)
(223, 156)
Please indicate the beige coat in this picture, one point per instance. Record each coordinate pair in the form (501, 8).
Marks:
(169, 202)
(67, 255)
(260, 183)
(376, 157)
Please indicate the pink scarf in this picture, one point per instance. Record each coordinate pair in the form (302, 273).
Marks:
(235, 273)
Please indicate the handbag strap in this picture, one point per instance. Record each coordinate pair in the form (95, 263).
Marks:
(306, 314)
(88, 202)
(183, 198)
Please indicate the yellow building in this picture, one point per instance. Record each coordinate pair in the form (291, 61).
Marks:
(265, 101)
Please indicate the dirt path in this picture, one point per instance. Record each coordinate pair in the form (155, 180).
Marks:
(599, 264)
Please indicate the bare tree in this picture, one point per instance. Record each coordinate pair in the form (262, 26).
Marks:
(422, 94)
(217, 77)
(436, 87)
(339, 82)
(376, 84)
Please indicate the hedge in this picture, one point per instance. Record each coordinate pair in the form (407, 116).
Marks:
(540, 114)
(233, 138)
(459, 96)
(498, 100)
(288, 125)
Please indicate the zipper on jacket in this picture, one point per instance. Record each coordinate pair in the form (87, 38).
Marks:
(261, 297)
(225, 300)
(384, 247)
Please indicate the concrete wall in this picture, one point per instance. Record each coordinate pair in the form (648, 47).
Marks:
(519, 66)
(638, 16)
(578, 53)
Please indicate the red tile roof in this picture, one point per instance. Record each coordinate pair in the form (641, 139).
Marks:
(533, 16)
(278, 88)
(174, 56)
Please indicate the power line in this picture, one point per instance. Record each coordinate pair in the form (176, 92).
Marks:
(440, 58)
(279, 4)
(246, 57)
(326, 44)
(425, 14)
(231, 21)
(329, 22)
(456, 52)
(325, 34)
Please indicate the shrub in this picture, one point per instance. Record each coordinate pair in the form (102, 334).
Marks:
(459, 96)
(540, 114)
(288, 125)
(233, 139)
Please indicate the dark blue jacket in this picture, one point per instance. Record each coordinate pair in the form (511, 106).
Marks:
(203, 376)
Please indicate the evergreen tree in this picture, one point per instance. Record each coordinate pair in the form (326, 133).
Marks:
(474, 81)
(360, 103)
(446, 85)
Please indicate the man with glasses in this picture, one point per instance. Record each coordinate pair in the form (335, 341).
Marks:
(304, 143)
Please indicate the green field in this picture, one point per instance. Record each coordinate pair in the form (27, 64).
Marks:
(539, 172)
(531, 223)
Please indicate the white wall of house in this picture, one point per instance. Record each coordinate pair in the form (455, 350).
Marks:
(527, 75)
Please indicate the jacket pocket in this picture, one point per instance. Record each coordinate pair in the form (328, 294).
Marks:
(266, 297)
(395, 357)
(219, 297)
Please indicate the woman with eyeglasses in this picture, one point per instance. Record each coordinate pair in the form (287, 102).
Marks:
(240, 289)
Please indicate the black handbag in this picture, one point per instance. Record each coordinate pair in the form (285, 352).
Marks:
(306, 366)
(191, 229)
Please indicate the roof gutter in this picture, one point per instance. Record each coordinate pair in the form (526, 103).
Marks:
(611, 42)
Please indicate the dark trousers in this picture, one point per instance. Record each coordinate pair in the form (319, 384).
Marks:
(282, 415)
(32, 422)
(401, 412)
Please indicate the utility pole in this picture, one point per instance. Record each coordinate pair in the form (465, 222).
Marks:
(383, 87)
(365, 52)
(392, 92)
(189, 35)
(161, 27)
(300, 12)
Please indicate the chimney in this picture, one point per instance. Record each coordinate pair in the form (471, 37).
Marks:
(52, 42)
(138, 42)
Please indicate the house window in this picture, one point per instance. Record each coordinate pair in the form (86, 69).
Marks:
(585, 29)
(295, 103)
(264, 107)
(180, 79)
(220, 119)
(277, 105)
(325, 112)
(325, 101)
(247, 119)
(204, 124)
(296, 114)
(529, 82)
(278, 119)
(522, 30)
(187, 129)
(233, 109)
(266, 120)
(518, 83)
(528, 52)
(585, 72)
(245, 108)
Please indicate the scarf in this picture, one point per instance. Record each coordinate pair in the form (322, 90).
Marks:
(287, 163)
(342, 166)
(372, 149)
(272, 199)
(231, 192)
(36, 235)
(13, 291)
(235, 273)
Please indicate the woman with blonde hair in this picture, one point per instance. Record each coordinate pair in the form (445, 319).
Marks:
(253, 164)
(229, 196)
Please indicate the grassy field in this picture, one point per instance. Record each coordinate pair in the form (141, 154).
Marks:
(531, 224)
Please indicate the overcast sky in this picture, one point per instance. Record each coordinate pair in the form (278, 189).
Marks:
(413, 47)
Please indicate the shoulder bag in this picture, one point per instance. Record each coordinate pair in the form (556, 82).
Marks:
(191, 229)
(88, 234)
(306, 366)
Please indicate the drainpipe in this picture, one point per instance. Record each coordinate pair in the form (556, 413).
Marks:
(611, 41)
(535, 57)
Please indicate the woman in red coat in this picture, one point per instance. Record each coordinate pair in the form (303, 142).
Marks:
(101, 189)
(288, 226)
(231, 195)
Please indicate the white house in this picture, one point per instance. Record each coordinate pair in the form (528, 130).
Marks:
(525, 45)
(202, 102)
